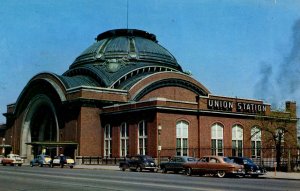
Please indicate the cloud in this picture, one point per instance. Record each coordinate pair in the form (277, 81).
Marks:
(283, 85)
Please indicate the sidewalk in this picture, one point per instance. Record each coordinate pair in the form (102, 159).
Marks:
(271, 174)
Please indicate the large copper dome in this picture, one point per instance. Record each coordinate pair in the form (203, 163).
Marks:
(119, 58)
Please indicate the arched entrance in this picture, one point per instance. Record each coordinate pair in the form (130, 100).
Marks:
(40, 124)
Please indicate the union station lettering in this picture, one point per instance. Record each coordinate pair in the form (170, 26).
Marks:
(250, 107)
(225, 105)
(220, 105)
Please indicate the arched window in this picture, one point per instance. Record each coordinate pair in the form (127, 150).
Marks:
(237, 141)
(143, 138)
(124, 136)
(217, 139)
(255, 142)
(107, 141)
(182, 128)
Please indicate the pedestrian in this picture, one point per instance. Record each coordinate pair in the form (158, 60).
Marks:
(62, 160)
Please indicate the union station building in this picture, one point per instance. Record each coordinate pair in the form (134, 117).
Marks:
(127, 95)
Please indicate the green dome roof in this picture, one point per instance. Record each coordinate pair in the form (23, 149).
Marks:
(128, 45)
(117, 53)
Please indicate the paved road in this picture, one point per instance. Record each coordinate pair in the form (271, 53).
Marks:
(36, 178)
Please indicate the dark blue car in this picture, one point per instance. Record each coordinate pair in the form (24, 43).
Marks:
(175, 163)
(250, 167)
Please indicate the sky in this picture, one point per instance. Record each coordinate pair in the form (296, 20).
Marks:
(237, 48)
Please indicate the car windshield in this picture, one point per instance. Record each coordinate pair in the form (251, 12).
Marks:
(191, 159)
(148, 158)
(228, 160)
(247, 161)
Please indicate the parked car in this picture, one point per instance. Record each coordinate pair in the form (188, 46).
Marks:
(1, 157)
(250, 167)
(62, 161)
(138, 163)
(175, 164)
(216, 165)
(12, 160)
(41, 160)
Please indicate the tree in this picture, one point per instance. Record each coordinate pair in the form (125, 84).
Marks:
(279, 129)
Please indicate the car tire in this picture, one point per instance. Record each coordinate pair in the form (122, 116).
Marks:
(221, 174)
(164, 170)
(139, 169)
(71, 166)
(254, 176)
(123, 168)
(189, 171)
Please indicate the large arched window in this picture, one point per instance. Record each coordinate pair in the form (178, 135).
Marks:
(143, 138)
(255, 142)
(107, 141)
(124, 136)
(237, 141)
(217, 139)
(182, 128)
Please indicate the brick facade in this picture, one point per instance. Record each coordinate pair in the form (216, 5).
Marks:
(67, 113)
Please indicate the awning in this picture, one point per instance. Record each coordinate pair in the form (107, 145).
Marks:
(52, 143)
(5, 146)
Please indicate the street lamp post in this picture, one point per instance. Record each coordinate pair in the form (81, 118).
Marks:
(159, 127)
(3, 146)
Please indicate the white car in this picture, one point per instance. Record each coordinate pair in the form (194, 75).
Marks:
(62, 161)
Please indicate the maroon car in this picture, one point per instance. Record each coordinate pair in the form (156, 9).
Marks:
(216, 165)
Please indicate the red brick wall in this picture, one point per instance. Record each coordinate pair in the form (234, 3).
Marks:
(91, 140)
(173, 93)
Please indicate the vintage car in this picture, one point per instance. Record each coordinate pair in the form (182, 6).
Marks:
(250, 167)
(12, 160)
(62, 161)
(215, 165)
(41, 160)
(175, 163)
(138, 163)
(1, 157)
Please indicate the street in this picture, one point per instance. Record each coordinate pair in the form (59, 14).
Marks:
(44, 178)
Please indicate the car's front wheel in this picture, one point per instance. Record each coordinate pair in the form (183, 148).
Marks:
(139, 169)
(189, 171)
(221, 174)
(123, 168)
(164, 170)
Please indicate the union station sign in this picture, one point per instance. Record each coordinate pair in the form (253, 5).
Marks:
(244, 107)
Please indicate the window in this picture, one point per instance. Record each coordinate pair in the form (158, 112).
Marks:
(107, 141)
(143, 137)
(182, 138)
(217, 139)
(237, 141)
(255, 142)
(124, 135)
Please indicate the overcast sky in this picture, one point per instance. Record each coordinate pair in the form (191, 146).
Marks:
(236, 48)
